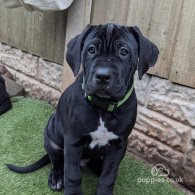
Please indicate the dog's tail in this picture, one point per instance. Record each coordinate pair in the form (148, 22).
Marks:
(30, 168)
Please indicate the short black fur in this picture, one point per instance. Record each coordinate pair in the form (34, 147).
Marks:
(109, 55)
(5, 102)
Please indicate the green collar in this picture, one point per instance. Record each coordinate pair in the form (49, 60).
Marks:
(108, 105)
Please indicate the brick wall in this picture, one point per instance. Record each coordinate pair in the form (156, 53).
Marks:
(41, 79)
(165, 128)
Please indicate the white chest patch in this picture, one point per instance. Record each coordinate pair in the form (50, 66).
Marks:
(101, 136)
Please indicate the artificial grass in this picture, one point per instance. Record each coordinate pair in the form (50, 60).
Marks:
(21, 143)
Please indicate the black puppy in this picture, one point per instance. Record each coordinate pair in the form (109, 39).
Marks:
(96, 114)
(5, 103)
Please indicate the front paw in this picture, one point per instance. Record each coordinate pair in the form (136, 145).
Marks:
(56, 179)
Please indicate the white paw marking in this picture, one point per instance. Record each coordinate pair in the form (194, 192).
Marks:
(59, 185)
(101, 136)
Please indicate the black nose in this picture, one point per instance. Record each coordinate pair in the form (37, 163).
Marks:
(103, 75)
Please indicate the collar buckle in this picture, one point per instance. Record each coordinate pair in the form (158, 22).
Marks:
(105, 104)
(112, 106)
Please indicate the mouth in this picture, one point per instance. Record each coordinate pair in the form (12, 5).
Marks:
(106, 92)
(102, 94)
(99, 91)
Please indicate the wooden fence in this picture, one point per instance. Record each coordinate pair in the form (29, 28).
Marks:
(168, 23)
(39, 33)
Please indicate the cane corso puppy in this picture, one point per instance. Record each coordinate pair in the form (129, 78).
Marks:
(5, 103)
(96, 114)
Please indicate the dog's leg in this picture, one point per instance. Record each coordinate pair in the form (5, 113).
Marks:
(56, 176)
(108, 175)
(56, 155)
(72, 171)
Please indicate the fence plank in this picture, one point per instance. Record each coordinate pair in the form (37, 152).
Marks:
(39, 33)
(140, 14)
(163, 31)
(98, 13)
(3, 25)
(76, 21)
(29, 39)
(183, 66)
(109, 11)
(22, 24)
(158, 21)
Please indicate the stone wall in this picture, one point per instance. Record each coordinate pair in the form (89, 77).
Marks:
(165, 128)
(41, 79)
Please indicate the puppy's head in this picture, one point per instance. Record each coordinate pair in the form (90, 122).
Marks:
(110, 54)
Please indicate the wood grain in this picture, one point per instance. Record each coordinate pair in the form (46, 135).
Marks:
(42, 34)
(76, 21)
(183, 63)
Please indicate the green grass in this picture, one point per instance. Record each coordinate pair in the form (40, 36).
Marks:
(21, 143)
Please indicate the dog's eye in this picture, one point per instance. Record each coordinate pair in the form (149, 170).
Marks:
(92, 50)
(123, 51)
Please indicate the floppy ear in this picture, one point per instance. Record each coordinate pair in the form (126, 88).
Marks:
(74, 49)
(148, 52)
